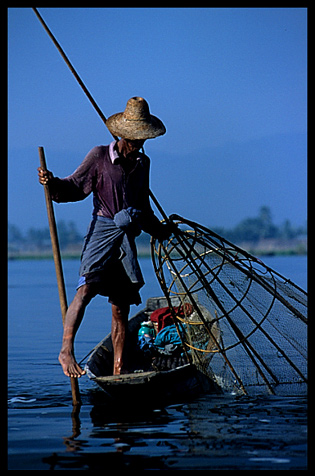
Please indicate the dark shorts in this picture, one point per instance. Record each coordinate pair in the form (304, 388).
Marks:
(113, 283)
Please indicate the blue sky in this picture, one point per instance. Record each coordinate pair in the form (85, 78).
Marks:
(230, 84)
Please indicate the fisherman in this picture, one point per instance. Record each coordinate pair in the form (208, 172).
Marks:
(118, 176)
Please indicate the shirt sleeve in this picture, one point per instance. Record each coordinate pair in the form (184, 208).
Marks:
(78, 185)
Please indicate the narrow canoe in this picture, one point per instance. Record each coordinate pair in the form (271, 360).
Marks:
(144, 383)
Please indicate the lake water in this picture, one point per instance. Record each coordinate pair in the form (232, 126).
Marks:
(212, 432)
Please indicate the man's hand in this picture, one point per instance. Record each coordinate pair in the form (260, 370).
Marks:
(44, 176)
(165, 231)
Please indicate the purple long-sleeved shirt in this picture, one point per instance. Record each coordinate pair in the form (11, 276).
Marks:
(114, 189)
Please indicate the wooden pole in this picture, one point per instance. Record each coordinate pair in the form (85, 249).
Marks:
(70, 66)
(76, 399)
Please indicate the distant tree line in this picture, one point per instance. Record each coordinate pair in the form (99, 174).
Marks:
(261, 228)
(248, 230)
(40, 237)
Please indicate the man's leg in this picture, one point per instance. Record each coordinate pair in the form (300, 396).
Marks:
(119, 324)
(73, 320)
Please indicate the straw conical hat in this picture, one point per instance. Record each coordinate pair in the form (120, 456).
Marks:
(135, 122)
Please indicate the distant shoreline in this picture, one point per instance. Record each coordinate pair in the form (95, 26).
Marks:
(258, 235)
(146, 253)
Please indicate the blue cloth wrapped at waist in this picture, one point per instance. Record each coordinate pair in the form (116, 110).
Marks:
(109, 239)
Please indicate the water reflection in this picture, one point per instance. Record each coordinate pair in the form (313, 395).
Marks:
(212, 432)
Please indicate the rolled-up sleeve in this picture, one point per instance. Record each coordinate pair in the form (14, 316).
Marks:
(78, 185)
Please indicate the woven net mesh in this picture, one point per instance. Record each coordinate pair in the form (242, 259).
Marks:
(244, 324)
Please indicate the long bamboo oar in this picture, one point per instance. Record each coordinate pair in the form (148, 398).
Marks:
(76, 399)
(70, 66)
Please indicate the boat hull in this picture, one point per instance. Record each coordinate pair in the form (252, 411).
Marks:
(156, 387)
(145, 386)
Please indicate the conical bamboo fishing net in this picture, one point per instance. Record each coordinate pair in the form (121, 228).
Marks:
(245, 325)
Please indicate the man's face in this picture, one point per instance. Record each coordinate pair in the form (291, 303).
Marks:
(132, 147)
(135, 145)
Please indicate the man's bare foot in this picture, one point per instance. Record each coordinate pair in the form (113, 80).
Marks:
(119, 368)
(69, 364)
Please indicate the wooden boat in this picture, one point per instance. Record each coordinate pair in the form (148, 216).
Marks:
(144, 383)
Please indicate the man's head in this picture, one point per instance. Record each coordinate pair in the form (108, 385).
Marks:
(135, 123)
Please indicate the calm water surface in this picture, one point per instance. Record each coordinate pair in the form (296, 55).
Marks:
(212, 432)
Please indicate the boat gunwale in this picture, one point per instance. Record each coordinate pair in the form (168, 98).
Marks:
(138, 378)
